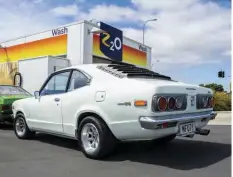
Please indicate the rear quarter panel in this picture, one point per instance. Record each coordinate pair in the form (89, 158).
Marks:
(83, 100)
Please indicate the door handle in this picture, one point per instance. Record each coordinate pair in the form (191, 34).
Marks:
(57, 99)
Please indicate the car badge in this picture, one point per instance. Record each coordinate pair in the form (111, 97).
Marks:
(124, 104)
(192, 100)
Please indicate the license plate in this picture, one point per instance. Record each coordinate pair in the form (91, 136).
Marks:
(187, 128)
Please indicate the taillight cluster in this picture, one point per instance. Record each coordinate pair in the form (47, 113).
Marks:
(169, 103)
(205, 101)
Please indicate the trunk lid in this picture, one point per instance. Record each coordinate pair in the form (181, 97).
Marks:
(166, 86)
(173, 87)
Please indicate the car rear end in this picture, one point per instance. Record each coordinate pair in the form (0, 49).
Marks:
(164, 107)
(5, 109)
(184, 109)
(9, 94)
(6, 102)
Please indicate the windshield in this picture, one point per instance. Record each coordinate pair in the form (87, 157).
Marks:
(12, 90)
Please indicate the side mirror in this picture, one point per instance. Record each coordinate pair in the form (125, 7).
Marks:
(36, 94)
(88, 82)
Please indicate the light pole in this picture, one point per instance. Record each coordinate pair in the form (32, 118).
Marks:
(144, 28)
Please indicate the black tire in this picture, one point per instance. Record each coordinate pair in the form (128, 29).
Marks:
(164, 140)
(27, 133)
(107, 141)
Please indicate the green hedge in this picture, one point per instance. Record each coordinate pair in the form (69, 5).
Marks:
(222, 101)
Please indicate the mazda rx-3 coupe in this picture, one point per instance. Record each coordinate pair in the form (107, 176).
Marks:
(102, 104)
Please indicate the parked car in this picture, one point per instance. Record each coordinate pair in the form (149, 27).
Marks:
(9, 94)
(102, 104)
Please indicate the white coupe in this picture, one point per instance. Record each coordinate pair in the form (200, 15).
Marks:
(101, 104)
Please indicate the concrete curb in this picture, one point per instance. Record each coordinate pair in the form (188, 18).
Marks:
(222, 118)
(223, 111)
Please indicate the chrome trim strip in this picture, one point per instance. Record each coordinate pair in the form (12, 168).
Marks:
(53, 133)
(152, 122)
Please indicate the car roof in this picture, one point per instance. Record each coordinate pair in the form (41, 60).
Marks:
(85, 66)
(119, 70)
(88, 68)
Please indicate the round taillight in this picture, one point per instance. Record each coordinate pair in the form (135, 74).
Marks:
(162, 103)
(205, 101)
(179, 102)
(171, 103)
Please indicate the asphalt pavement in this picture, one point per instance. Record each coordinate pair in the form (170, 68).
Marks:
(49, 156)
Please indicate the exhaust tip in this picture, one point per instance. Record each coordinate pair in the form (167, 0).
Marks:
(204, 132)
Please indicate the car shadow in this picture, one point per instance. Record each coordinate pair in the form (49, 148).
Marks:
(6, 126)
(181, 154)
(57, 141)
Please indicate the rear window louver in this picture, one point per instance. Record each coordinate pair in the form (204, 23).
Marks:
(131, 71)
(111, 71)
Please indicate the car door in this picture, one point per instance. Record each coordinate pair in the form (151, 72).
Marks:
(47, 112)
(78, 95)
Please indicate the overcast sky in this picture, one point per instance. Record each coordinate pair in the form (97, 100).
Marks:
(191, 39)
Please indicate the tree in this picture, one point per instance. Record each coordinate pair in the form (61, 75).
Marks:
(214, 87)
(222, 99)
(202, 85)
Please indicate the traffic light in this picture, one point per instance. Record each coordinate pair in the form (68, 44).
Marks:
(221, 74)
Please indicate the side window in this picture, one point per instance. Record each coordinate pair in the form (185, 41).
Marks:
(77, 80)
(57, 84)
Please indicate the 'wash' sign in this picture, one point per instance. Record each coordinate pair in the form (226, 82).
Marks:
(57, 32)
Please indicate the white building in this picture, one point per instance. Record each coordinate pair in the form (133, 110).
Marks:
(79, 42)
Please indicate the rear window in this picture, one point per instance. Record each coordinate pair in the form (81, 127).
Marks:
(132, 71)
(12, 90)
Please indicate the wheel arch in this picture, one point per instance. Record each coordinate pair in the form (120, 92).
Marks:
(95, 114)
(90, 109)
(19, 112)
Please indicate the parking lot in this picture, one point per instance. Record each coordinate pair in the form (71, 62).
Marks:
(50, 156)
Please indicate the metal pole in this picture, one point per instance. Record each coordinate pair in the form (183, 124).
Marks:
(144, 28)
(143, 32)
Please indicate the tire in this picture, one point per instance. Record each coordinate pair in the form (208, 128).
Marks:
(103, 136)
(164, 140)
(22, 132)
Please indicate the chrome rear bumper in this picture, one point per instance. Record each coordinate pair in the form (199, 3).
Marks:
(155, 122)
